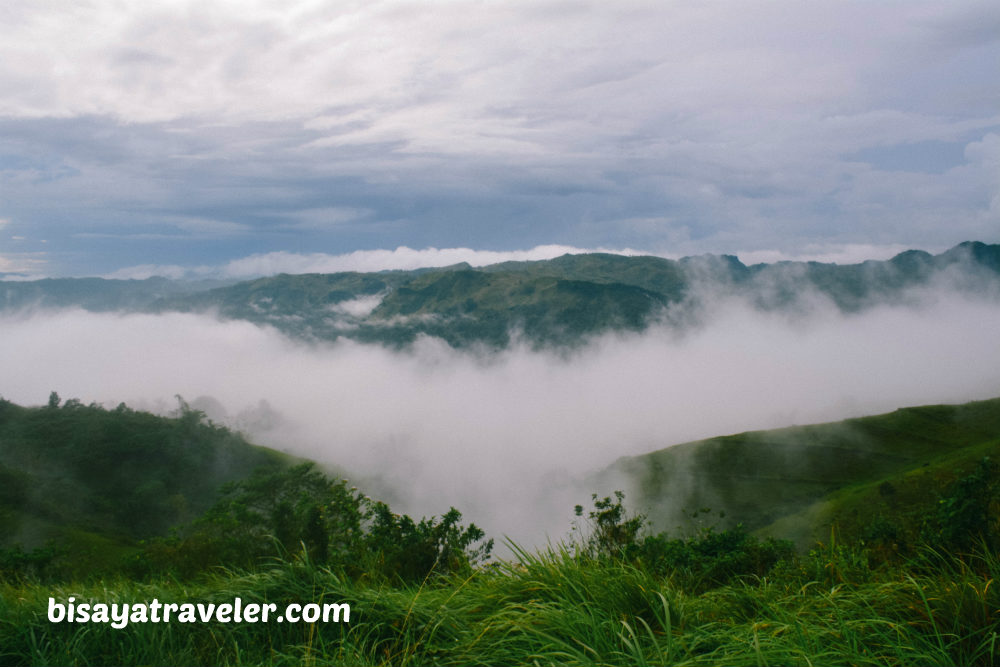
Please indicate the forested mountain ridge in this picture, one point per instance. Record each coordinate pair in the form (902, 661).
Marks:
(562, 301)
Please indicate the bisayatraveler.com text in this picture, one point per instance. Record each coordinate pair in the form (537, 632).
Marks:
(120, 614)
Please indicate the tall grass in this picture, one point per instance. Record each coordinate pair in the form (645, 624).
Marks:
(552, 606)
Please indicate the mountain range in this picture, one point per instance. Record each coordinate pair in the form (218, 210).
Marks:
(557, 302)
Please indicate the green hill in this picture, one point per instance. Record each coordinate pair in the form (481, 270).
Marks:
(87, 492)
(796, 482)
(653, 274)
(95, 481)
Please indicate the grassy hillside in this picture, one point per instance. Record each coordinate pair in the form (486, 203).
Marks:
(894, 514)
(284, 296)
(763, 479)
(96, 481)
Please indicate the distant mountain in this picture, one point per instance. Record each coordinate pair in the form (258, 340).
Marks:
(556, 302)
(94, 294)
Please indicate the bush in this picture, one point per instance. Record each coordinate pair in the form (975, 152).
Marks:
(710, 559)
(967, 512)
(300, 514)
(399, 547)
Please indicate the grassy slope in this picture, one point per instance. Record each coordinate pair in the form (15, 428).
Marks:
(95, 481)
(545, 608)
(784, 478)
(654, 274)
(902, 501)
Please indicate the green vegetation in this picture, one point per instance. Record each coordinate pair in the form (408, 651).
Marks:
(92, 492)
(299, 513)
(94, 481)
(796, 482)
(904, 575)
(466, 307)
(303, 306)
(563, 605)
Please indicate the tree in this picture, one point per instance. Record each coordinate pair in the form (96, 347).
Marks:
(612, 529)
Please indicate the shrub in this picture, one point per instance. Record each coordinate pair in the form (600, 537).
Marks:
(707, 560)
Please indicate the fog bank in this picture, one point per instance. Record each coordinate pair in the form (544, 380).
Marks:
(505, 438)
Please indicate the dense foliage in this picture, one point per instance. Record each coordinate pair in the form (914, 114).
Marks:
(299, 513)
(93, 481)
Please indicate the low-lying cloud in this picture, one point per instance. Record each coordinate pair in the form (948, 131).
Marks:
(404, 258)
(506, 439)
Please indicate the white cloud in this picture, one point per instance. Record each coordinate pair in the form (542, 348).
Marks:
(850, 253)
(987, 150)
(360, 307)
(23, 265)
(447, 75)
(402, 258)
(987, 153)
(377, 260)
(506, 439)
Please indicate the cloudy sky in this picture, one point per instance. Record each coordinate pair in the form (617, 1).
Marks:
(253, 136)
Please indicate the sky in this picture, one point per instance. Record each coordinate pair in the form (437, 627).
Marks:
(193, 138)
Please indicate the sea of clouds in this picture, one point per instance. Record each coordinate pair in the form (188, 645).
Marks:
(507, 437)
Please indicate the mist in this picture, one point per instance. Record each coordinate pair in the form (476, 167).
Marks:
(507, 437)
